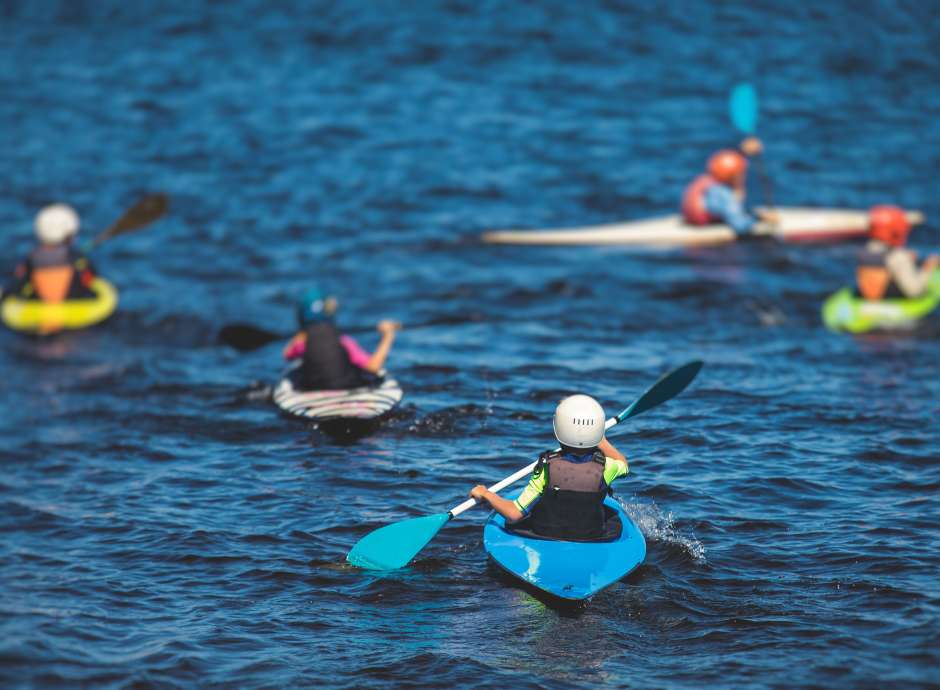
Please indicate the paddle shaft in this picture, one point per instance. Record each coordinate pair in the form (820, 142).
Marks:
(511, 479)
(766, 187)
(743, 109)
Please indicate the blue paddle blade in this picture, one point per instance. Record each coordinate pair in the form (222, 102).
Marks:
(743, 108)
(667, 387)
(393, 546)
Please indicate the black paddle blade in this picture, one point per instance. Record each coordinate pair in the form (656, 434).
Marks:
(141, 214)
(245, 337)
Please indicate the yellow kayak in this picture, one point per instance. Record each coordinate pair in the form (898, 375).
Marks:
(43, 318)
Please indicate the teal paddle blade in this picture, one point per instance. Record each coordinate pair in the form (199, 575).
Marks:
(667, 387)
(393, 546)
(743, 108)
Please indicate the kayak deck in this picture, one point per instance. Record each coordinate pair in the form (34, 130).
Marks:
(796, 225)
(567, 570)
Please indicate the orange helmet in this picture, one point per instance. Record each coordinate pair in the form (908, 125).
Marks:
(889, 224)
(727, 165)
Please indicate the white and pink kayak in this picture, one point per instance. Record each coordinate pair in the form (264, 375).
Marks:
(796, 225)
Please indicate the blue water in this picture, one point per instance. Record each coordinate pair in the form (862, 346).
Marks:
(163, 526)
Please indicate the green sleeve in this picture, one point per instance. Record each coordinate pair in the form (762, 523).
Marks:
(614, 469)
(532, 491)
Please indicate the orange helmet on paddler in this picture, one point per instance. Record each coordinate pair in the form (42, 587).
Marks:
(889, 224)
(728, 167)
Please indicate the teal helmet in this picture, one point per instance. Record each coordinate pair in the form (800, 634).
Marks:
(314, 307)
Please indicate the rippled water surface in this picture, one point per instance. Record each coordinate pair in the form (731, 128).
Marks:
(163, 526)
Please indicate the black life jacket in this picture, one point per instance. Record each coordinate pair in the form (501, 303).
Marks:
(572, 504)
(872, 277)
(326, 364)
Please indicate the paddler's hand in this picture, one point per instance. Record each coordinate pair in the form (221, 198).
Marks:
(478, 493)
(769, 216)
(387, 327)
(932, 262)
(752, 146)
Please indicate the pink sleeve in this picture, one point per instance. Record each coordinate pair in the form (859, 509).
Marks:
(295, 348)
(357, 355)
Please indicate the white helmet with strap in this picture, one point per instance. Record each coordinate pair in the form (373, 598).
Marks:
(579, 422)
(56, 223)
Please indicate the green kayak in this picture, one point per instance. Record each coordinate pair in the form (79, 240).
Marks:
(845, 311)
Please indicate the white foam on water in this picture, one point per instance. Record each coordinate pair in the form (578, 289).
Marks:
(657, 525)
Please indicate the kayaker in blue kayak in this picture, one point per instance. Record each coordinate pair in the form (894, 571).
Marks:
(719, 195)
(886, 269)
(54, 271)
(564, 499)
(330, 359)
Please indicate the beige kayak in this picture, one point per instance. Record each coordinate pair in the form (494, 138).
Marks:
(796, 225)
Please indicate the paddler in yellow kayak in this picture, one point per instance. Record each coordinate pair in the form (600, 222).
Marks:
(564, 499)
(886, 269)
(55, 271)
(330, 359)
(719, 195)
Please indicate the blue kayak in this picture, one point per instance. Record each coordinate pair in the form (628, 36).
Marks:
(569, 570)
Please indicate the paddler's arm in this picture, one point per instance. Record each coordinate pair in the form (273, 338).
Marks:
(912, 281)
(377, 361)
(507, 509)
(722, 202)
(20, 277)
(296, 347)
(610, 451)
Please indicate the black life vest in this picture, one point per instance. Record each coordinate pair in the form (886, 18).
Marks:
(572, 504)
(872, 277)
(326, 364)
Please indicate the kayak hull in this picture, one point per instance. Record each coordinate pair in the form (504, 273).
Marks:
(361, 405)
(796, 225)
(43, 318)
(844, 311)
(572, 571)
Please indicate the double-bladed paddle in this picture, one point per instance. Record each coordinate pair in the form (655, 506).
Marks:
(393, 546)
(244, 337)
(743, 108)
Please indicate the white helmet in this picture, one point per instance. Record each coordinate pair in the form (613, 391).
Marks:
(579, 422)
(56, 223)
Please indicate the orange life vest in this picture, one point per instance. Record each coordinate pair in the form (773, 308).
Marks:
(873, 277)
(693, 201)
(53, 283)
(58, 272)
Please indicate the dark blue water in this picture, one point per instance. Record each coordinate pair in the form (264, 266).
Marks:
(163, 526)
